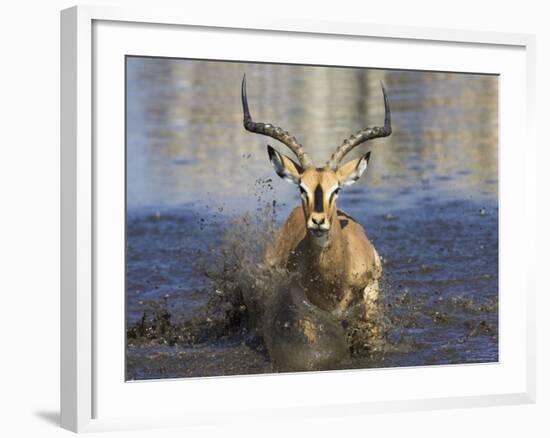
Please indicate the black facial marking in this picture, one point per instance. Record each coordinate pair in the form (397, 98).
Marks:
(343, 223)
(318, 200)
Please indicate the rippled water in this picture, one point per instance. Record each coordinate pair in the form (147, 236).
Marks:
(429, 203)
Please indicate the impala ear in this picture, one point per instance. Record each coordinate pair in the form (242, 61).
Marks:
(284, 166)
(352, 170)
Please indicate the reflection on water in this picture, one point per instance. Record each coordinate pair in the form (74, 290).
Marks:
(186, 141)
(428, 201)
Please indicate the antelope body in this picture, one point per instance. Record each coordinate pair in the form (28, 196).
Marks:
(336, 262)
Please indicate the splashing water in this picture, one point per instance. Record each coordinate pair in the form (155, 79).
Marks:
(196, 291)
(424, 315)
(266, 307)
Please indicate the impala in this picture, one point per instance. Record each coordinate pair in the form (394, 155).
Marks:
(337, 264)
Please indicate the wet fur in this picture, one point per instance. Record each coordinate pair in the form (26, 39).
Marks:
(334, 277)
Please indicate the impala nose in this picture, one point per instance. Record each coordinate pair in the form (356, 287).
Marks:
(318, 221)
(318, 225)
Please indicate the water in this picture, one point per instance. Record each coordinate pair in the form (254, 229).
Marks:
(428, 202)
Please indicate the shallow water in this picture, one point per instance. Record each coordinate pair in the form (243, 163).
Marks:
(429, 203)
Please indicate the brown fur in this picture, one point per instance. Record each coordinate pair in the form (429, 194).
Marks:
(328, 248)
(335, 276)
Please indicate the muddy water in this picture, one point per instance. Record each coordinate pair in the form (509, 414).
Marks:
(429, 203)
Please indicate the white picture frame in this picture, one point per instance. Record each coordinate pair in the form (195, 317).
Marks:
(91, 389)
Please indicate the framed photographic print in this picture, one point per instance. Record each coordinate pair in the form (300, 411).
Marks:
(339, 212)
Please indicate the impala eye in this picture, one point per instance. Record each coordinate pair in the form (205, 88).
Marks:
(334, 193)
(303, 191)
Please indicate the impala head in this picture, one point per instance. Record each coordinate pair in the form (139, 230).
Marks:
(319, 186)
